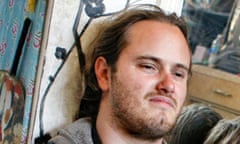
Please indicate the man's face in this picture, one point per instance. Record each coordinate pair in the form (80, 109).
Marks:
(148, 90)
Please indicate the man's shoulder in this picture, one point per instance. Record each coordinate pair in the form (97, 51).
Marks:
(81, 124)
(77, 132)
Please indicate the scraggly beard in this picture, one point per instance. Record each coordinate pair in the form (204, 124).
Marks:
(132, 117)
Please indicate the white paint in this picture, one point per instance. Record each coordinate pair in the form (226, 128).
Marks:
(172, 5)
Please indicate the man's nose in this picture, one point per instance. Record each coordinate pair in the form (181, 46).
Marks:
(166, 83)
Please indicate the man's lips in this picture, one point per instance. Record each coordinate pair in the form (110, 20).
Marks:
(163, 99)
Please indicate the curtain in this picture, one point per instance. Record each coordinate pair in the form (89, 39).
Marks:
(12, 16)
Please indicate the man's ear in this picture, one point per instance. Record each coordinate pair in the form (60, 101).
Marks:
(102, 72)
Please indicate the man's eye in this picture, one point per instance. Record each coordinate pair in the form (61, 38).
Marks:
(149, 68)
(180, 74)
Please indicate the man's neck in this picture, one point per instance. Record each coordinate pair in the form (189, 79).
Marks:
(109, 132)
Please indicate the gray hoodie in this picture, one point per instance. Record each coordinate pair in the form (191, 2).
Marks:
(78, 132)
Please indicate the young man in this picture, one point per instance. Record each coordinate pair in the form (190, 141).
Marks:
(136, 82)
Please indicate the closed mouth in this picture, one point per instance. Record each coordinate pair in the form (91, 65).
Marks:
(163, 99)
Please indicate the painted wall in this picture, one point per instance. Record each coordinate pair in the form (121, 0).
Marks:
(63, 98)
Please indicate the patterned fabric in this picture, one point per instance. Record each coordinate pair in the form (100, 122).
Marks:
(12, 102)
(12, 16)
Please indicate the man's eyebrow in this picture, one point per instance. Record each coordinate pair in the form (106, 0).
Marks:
(157, 60)
(183, 67)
